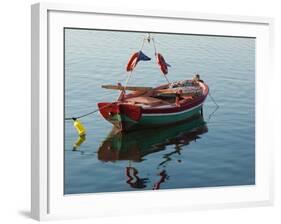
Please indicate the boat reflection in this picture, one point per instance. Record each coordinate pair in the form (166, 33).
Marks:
(134, 146)
(79, 141)
(133, 178)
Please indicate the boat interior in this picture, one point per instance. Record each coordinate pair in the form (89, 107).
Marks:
(163, 96)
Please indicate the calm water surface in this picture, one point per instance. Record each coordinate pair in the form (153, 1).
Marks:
(217, 150)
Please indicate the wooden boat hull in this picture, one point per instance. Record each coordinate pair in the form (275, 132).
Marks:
(127, 117)
(125, 122)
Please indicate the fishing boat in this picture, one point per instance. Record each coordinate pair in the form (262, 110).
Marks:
(139, 107)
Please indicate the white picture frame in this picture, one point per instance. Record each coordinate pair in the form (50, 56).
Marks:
(48, 201)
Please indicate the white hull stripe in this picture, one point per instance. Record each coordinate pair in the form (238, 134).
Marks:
(170, 114)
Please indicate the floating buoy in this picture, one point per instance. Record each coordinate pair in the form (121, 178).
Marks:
(134, 59)
(79, 127)
(132, 62)
(162, 64)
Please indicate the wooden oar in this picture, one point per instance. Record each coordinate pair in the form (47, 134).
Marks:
(130, 88)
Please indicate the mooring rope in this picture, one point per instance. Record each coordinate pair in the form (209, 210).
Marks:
(217, 107)
(154, 46)
(84, 115)
(213, 99)
(87, 114)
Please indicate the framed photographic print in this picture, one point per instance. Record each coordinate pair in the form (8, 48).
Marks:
(161, 111)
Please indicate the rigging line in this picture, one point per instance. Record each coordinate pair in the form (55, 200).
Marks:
(167, 79)
(161, 44)
(127, 80)
(155, 51)
(142, 44)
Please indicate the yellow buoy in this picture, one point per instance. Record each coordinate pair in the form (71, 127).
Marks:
(79, 127)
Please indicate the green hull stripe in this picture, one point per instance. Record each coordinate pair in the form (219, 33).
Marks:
(146, 120)
(156, 120)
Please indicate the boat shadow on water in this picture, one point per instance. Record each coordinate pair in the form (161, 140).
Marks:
(135, 145)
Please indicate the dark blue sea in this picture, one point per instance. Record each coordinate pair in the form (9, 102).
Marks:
(215, 150)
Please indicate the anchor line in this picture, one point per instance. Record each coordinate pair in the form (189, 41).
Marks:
(217, 107)
(213, 99)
